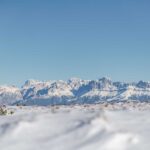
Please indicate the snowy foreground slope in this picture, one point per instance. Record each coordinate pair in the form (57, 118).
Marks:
(86, 127)
(74, 91)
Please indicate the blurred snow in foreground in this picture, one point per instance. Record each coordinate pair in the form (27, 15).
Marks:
(88, 127)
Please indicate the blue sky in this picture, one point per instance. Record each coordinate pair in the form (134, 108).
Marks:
(59, 39)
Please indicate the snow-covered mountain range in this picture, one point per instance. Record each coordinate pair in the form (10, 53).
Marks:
(74, 91)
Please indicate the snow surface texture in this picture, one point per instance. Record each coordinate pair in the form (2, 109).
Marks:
(74, 91)
(77, 127)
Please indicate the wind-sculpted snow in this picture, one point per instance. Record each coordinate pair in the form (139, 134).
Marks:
(74, 91)
(77, 127)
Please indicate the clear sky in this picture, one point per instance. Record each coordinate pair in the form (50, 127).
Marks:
(59, 39)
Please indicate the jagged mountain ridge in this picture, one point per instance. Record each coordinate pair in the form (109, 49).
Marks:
(74, 91)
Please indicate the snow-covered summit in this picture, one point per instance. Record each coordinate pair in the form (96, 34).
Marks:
(75, 83)
(9, 94)
(142, 84)
(75, 90)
